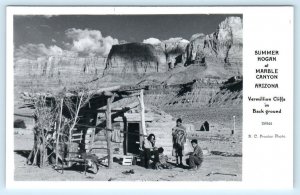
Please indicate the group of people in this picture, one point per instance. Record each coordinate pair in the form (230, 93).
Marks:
(179, 137)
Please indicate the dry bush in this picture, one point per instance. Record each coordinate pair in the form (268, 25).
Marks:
(52, 130)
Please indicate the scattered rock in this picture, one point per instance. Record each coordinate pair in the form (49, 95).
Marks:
(131, 171)
(226, 154)
(218, 173)
(111, 179)
(19, 123)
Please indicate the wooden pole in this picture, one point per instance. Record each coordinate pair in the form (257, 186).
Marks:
(232, 132)
(76, 116)
(143, 129)
(43, 153)
(58, 131)
(108, 132)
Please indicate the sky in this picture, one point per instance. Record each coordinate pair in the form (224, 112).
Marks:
(93, 35)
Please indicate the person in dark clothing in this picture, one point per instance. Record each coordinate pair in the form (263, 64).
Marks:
(195, 158)
(150, 150)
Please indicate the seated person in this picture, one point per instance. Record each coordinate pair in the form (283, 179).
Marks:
(162, 164)
(195, 158)
(149, 150)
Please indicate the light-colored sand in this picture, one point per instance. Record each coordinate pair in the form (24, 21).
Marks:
(24, 172)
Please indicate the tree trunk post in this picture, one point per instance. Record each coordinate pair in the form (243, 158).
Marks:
(143, 122)
(108, 132)
(232, 132)
(58, 132)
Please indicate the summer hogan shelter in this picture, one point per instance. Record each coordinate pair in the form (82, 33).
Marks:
(108, 125)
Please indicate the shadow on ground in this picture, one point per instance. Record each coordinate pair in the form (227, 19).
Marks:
(179, 166)
(23, 153)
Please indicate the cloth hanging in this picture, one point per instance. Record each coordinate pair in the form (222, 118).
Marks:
(116, 136)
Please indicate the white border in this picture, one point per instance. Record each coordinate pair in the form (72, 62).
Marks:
(246, 183)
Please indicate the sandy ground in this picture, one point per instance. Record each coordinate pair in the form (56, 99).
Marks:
(218, 139)
(212, 163)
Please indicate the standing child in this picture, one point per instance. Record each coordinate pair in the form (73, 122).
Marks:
(179, 138)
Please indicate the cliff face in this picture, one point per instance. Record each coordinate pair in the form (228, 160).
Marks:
(56, 72)
(53, 66)
(135, 58)
(230, 93)
(174, 49)
(222, 48)
(196, 94)
(146, 58)
(213, 58)
(220, 53)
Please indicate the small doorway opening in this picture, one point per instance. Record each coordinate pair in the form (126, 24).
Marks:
(133, 137)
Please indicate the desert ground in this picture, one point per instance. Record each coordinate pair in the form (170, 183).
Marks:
(222, 160)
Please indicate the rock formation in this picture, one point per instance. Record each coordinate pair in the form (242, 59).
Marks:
(174, 49)
(222, 48)
(220, 53)
(135, 58)
(52, 66)
(146, 58)
(210, 60)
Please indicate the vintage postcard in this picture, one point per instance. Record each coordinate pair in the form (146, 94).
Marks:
(171, 97)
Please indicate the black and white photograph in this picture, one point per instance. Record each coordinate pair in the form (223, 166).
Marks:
(128, 97)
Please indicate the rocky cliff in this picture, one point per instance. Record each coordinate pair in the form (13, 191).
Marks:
(220, 53)
(210, 60)
(222, 49)
(146, 58)
(52, 66)
(135, 58)
(196, 94)
(174, 49)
